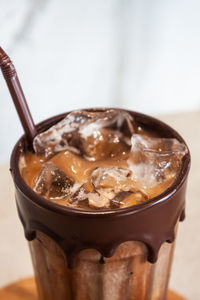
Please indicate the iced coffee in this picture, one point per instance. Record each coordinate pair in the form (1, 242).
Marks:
(98, 164)
(99, 193)
(101, 160)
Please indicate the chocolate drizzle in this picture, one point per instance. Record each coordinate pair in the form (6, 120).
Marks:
(152, 222)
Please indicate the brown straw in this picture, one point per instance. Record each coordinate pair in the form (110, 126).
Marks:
(17, 95)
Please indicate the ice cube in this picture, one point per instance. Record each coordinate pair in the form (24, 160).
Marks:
(116, 201)
(114, 178)
(154, 160)
(59, 137)
(106, 135)
(103, 144)
(81, 197)
(133, 199)
(78, 196)
(112, 119)
(52, 182)
(82, 131)
(98, 201)
(125, 199)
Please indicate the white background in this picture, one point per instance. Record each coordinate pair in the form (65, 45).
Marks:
(143, 55)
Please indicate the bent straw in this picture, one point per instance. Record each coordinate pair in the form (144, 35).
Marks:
(17, 95)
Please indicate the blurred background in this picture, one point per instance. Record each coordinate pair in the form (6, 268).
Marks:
(143, 55)
(139, 54)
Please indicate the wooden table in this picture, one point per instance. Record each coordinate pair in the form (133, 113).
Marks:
(26, 290)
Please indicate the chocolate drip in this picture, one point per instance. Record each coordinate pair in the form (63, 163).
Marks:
(101, 260)
(152, 222)
(182, 217)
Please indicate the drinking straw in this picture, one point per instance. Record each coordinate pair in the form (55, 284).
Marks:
(17, 95)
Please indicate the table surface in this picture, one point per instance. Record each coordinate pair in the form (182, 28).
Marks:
(15, 261)
(26, 290)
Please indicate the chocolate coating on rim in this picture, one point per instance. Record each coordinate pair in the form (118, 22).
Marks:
(152, 222)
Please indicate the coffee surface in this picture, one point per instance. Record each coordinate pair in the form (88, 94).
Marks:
(101, 160)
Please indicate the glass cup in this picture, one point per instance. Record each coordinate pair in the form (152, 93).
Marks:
(102, 255)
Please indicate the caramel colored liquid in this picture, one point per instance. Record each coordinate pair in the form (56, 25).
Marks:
(79, 170)
(101, 160)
